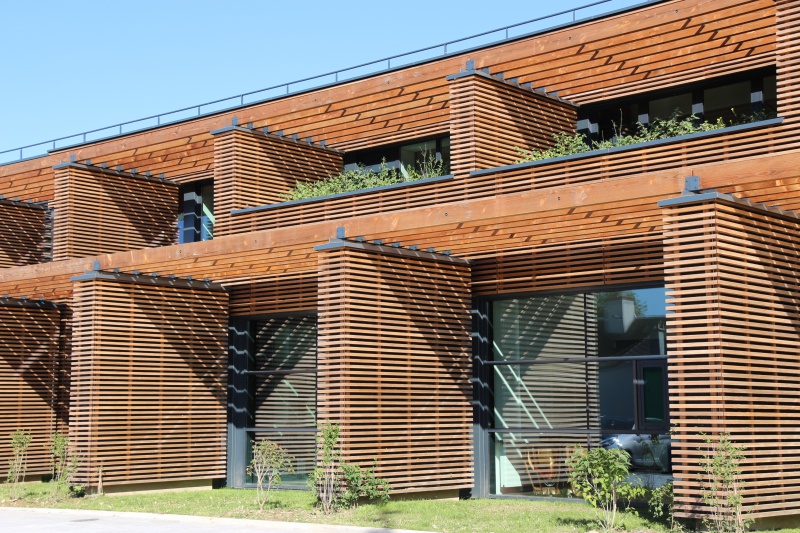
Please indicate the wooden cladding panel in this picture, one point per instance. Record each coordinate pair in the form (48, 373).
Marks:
(580, 263)
(24, 235)
(97, 212)
(148, 383)
(394, 365)
(733, 275)
(788, 60)
(490, 118)
(29, 372)
(289, 293)
(252, 169)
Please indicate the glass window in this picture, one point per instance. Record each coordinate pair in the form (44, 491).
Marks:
(584, 369)
(669, 106)
(284, 390)
(728, 102)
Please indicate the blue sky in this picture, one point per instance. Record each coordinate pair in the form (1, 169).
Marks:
(73, 66)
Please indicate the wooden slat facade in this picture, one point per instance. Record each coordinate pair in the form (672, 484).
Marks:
(27, 234)
(253, 168)
(394, 365)
(98, 211)
(733, 275)
(29, 374)
(148, 381)
(491, 118)
(393, 330)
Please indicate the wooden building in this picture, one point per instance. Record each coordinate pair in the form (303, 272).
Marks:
(164, 306)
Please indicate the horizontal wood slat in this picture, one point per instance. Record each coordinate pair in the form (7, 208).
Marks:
(394, 365)
(29, 371)
(582, 263)
(148, 382)
(25, 234)
(733, 325)
(490, 118)
(97, 212)
(253, 169)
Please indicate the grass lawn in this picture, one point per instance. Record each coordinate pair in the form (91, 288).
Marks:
(479, 516)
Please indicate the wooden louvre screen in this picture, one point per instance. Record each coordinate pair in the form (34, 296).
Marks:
(98, 211)
(252, 168)
(489, 119)
(394, 364)
(280, 294)
(24, 234)
(733, 323)
(567, 265)
(29, 371)
(148, 383)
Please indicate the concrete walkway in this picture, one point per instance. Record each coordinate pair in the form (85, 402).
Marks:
(26, 520)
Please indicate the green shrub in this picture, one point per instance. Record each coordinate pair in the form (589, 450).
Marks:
(600, 477)
(18, 464)
(65, 465)
(722, 486)
(338, 485)
(366, 178)
(575, 143)
(269, 459)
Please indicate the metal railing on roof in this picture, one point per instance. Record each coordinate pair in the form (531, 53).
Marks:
(277, 91)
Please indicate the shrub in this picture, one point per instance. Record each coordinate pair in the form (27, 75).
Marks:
(337, 484)
(600, 476)
(575, 143)
(65, 465)
(269, 459)
(18, 464)
(722, 486)
(366, 178)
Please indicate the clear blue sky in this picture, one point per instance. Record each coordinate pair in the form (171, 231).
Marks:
(71, 66)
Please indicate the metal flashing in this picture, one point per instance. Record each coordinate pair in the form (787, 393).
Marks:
(115, 172)
(511, 82)
(341, 195)
(145, 279)
(336, 243)
(262, 133)
(688, 198)
(24, 301)
(30, 204)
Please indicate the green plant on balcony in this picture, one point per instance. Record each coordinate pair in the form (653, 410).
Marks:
(362, 178)
(576, 143)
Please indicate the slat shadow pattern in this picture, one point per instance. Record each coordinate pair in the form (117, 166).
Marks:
(733, 278)
(394, 366)
(29, 368)
(148, 382)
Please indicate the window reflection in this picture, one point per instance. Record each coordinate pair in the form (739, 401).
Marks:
(584, 369)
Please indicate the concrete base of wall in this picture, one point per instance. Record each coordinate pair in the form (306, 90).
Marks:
(431, 495)
(168, 486)
(776, 522)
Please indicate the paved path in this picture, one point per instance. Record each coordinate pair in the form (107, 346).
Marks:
(25, 520)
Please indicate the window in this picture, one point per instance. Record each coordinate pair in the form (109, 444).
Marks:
(402, 156)
(584, 369)
(196, 217)
(283, 388)
(730, 98)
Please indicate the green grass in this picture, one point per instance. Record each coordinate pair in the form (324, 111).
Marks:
(468, 516)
